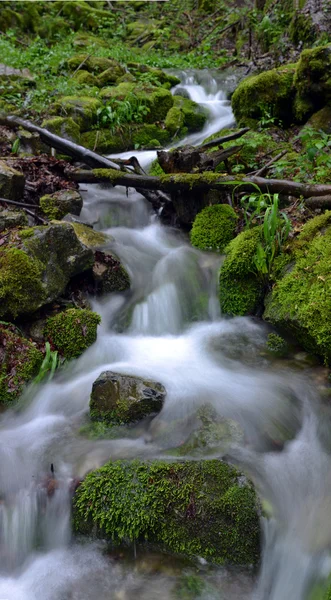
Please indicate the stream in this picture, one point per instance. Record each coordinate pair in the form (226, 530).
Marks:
(167, 327)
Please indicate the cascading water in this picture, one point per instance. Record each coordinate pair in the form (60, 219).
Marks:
(168, 328)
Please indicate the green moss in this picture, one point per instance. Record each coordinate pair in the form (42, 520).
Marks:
(106, 141)
(20, 361)
(195, 116)
(321, 120)
(302, 29)
(72, 331)
(214, 227)
(174, 120)
(277, 345)
(85, 78)
(240, 290)
(192, 508)
(88, 236)
(64, 127)
(312, 81)
(82, 109)
(111, 74)
(300, 300)
(144, 134)
(51, 27)
(78, 12)
(272, 90)
(57, 205)
(94, 64)
(156, 169)
(21, 287)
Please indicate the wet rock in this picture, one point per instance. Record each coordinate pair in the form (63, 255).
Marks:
(20, 361)
(117, 398)
(11, 182)
(196, 508)
(37, 263)
(11, 218)
(59, 204)
(72, 331)
(109, 274)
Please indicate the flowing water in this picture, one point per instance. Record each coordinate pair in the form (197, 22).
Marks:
(167, 327)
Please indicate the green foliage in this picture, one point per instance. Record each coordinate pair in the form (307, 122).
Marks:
(130, 110)
(195, 508)
(240, 289)
(275, 230)
(72, 331)
(313, 163)
(20, 360)
(213, 227)
(48, 366)
(299, 300)
(277, 345)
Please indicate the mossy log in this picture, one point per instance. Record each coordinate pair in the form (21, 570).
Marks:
(199, 182)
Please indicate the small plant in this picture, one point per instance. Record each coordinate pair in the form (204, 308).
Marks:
(274, 233)
(48, 366)
(130, 110)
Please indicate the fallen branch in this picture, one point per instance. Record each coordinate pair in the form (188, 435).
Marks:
(267, 166)
(21, 204)
(319, 202)
(225, 138)
(26, 210)
(64, 146)
(199, 182)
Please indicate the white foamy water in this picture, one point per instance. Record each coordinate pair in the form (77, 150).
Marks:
(167, 327)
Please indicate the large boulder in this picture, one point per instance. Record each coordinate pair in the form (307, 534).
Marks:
(118, 398)
(59, 204)
(11, 182)
(37, 263)
(72, 331)
(269, 91)
(300, 299)
(20, 360)
(312, 81)
(197, 508)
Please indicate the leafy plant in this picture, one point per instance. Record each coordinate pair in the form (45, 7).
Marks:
(130, 110)
(274, 233)
(48, 366)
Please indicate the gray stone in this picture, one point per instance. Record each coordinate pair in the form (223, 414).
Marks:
(120, 398)
(11, 218)
(11, 182)
(61, 203)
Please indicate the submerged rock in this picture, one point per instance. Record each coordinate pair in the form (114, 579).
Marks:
(11, 182)
(72, 331)
(300, 299)
(59, 204)
(20, 361)
(204, 509)
(118, 398)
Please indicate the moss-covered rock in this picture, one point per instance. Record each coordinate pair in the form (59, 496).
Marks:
(302, 30)
(195, 116)
(105, 141)
(11, 182)
(20, 361)
(65, 127)
(110, 75)
(192, 508)
(59, 204)
(118, 398)
(157, 99)
(272, 90)
(312, 81)
(52, 26)
(12, 218)
(72, 331)
(240, 289)
(37, 264)
(85, 78)
(321, 120)
(174, 120)
(109, 274)
(214, 227)
(82, 109)
(145, 133)
(139, 72)
(300, 301)
(95, 64)
(78, 11)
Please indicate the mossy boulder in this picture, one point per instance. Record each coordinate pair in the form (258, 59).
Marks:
(144, 134)
(158, 100)
(192, 508)
(36, 265)
(65, 127)
(174, 120)
(95, 64)
(271, 91)
(300, 301)
(139, 72)
(59, 204)
(105, 141)
(118, 398)
(85, 78)
(111, 74)
(20, 361)
(312, 81)
(83, 109)
(240, 289)
(11, 182)
(12, 218)
(195, 116)
(78, 12)
(214, 227)
(52, 26)
(72, 331)
(321, 120)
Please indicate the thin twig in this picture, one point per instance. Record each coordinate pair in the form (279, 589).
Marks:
(225, 138)
(81, 64)
(266, 167)
(22, 204)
